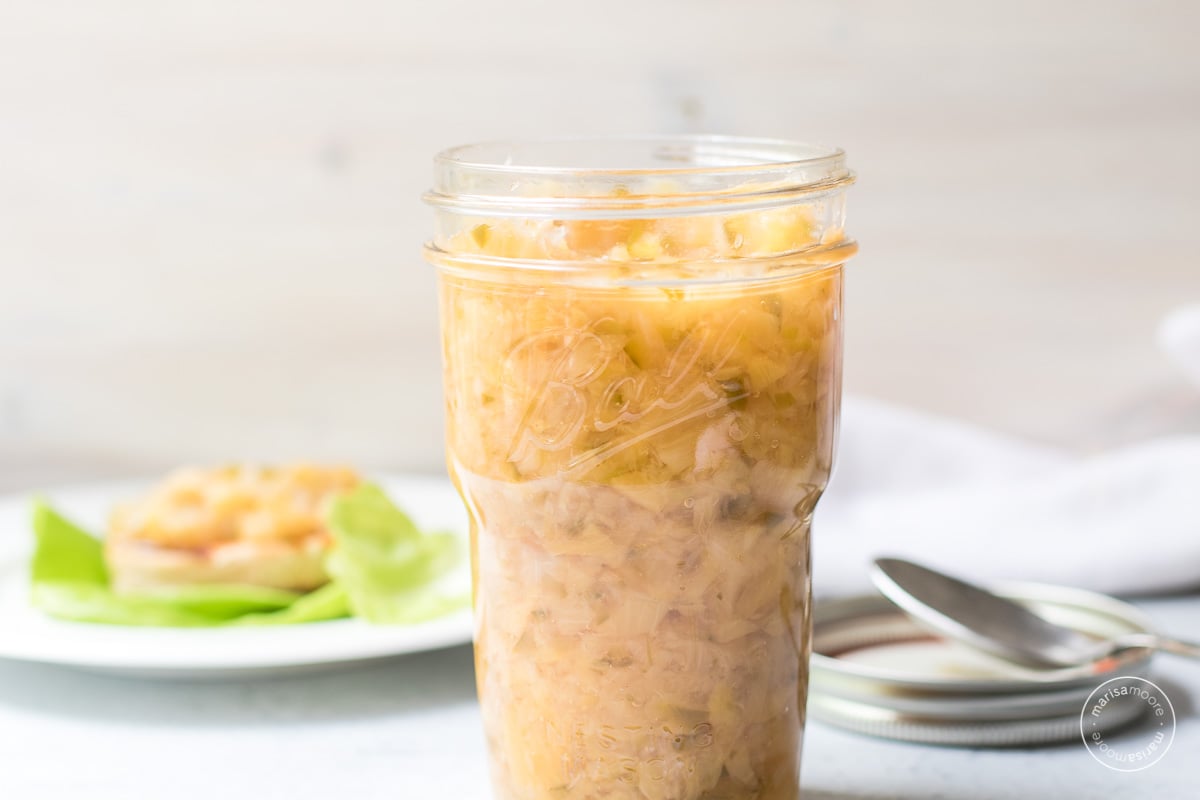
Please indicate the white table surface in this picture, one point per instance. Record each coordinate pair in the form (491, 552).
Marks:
(410, 729)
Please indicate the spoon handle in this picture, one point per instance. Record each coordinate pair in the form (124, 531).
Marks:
(1153, 641)
(1178, 647)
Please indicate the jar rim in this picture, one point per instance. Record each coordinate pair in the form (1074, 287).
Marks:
(753, 153)
(625, 175)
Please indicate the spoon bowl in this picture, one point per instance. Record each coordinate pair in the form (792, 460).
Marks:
(975, 616)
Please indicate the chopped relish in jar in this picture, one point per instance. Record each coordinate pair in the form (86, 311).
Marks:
(641, 444)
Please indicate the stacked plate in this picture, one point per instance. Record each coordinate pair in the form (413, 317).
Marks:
(877, 671)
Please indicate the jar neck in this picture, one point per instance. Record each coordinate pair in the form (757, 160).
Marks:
(631, 178)
(656, 210)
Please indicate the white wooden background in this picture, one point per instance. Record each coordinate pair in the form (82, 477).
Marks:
(210, 226)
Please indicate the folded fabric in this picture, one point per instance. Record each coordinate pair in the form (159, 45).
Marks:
(991, 507)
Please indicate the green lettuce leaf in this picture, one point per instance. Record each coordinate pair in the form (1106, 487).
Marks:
(65, 553)
(327, 602)
(388, 567)
(70, 581)
(383, 569)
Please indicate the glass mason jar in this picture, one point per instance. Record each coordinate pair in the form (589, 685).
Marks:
(642, 349)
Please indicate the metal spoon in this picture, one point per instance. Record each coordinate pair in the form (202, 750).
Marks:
(994, 624)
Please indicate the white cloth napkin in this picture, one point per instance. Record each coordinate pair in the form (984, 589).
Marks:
(990, 507)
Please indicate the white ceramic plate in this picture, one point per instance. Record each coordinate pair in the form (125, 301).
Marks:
(188, 653)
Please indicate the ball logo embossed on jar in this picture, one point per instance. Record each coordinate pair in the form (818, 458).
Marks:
(550, 373)
(546, 371)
